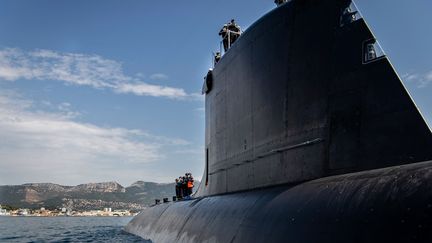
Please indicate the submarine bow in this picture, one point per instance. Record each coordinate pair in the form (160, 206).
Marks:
(310, 136)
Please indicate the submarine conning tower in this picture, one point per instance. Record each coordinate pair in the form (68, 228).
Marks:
(304, 94)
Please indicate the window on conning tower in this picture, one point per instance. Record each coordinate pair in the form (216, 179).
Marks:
(372, 51)
(350, 15)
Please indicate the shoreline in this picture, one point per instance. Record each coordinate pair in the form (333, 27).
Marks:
(63, 216)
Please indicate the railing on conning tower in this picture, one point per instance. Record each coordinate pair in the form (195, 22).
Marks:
(222, 50)
(229, 38)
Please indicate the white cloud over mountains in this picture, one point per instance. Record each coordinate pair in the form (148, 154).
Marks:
(80, 69)
(52, 146)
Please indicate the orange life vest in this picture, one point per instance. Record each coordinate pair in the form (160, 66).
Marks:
(190, 184)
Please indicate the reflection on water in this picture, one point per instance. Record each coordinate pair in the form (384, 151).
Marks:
(65, 229)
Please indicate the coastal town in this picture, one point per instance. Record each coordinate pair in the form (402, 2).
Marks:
(63, 212)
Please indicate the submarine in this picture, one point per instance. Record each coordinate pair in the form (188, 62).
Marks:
(310, 136)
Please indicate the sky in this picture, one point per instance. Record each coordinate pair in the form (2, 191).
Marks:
(104, 90)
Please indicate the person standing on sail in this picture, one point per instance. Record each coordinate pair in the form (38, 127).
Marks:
(230, 33)
(224, 34)
(235, 31)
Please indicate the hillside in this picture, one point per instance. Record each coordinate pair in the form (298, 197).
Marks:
(85, 196)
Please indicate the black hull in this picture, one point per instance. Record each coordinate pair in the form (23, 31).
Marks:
(303, 133)
(385, 205)
(294, 100)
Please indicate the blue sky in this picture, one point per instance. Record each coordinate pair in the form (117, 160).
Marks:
(107, 90)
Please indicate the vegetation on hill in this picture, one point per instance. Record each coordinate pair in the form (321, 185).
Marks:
(86, 196)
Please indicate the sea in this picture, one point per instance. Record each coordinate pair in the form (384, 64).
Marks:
(65, 229)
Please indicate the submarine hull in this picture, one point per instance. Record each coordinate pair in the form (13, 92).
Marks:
(383, 205)
(311, 136)
(297, 98)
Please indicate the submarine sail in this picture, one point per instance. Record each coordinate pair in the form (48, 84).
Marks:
(310, 136)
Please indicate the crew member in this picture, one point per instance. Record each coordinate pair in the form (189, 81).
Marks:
(217, 57)
(230, 33)
(177, 188)
(234, 31)
(184, 187)
(180, 187)
(224, 34)
(190, 184)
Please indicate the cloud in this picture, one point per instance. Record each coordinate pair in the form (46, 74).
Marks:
(82, 70)
(429, 76)
(195, 151)
(422, 80)
(143, 89)
(159, 76)
(36, 145)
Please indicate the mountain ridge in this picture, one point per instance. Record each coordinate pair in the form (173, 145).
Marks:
(137, 196)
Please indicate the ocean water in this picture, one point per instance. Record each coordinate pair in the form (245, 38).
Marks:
(65, 229)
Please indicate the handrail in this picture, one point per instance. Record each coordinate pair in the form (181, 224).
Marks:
(229, 39)
(221, 49)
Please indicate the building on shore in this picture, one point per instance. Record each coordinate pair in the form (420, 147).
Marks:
(3, 212)
(62, 212)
